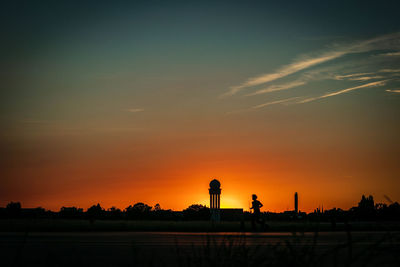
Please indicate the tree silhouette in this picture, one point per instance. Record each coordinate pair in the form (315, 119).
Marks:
(95, 212)
(114, 213)
(157, 207)
(71, 212)
(366, 208)
(13, 209)
(196, 212)
(138, 211)
(366, 203)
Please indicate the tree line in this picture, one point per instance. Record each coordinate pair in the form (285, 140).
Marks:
(366, 210)
(138, 211)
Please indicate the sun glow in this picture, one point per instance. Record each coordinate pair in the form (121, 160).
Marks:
(229, 202)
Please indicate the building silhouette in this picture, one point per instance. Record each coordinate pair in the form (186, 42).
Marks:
(215, 199)
(218, 214)
(296, 203)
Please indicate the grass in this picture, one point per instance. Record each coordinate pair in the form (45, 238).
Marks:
(295, 251)
(59, 225)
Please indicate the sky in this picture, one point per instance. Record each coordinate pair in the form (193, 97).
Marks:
(118, 102)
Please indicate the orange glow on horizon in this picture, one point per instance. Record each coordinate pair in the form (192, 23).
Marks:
(176, 172)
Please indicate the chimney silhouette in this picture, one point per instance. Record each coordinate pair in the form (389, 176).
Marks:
(296, 203)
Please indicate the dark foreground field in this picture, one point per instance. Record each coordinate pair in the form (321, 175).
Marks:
(199, 249)
(63, 225)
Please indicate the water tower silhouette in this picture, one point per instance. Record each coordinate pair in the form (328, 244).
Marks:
(215, 193)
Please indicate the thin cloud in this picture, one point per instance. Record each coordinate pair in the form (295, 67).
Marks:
(393, 90)
(373, 84)
(394, 54)
(341, 77)
(285, 71)
(134, 110)
(287, 100)
(279, 87)
(382, 42)
(366, 78)
(390, 70)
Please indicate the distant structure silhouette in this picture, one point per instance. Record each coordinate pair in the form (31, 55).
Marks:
(215, 194)
(296, 203)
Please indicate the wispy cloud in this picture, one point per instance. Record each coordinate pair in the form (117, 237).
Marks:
(341, 77)
(366, 78)
(390, 70)
(393, 90)
(279, 87)
(287, 100)
(372, 84)
(133, 110)
(285, 71)
(393, 54)
(307, 61)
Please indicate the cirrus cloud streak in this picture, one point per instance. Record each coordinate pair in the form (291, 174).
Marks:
(389, 41)
(372, 84)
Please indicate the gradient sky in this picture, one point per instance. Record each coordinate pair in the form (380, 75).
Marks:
(118, 103)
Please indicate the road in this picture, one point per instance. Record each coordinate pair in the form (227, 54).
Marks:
(198, 249)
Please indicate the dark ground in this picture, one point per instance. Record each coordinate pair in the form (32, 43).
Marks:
(81, 225)
(199, 249)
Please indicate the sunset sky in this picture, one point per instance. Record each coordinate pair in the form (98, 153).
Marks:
(118, 103)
